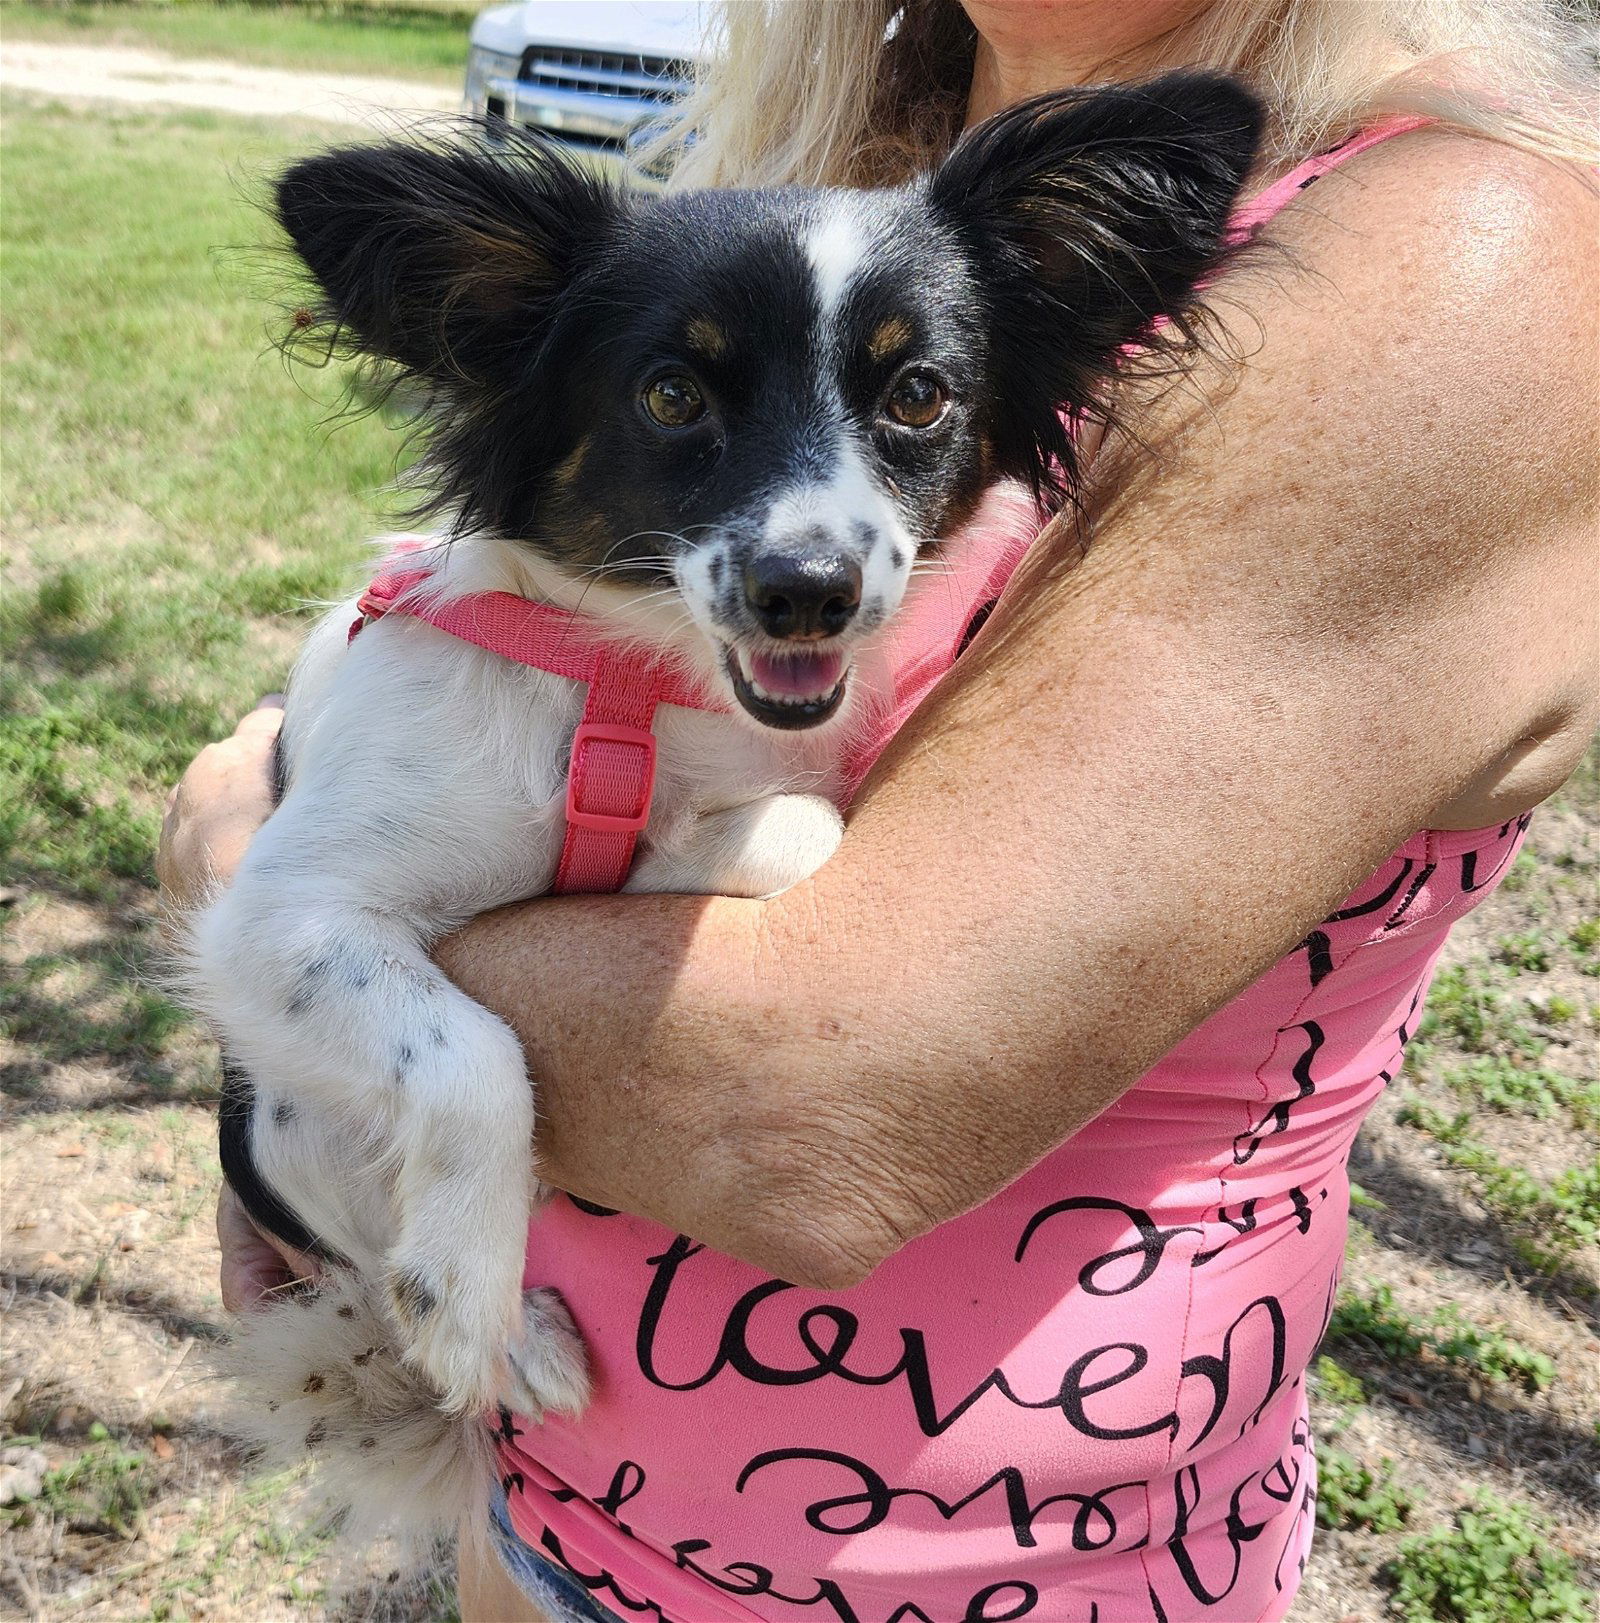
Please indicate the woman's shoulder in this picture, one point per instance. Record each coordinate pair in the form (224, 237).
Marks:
(1453, 280)
(1484, 226)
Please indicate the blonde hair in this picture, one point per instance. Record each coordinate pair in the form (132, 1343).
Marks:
(869, 92)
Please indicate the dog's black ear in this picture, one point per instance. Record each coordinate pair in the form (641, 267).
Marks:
(1090, 215)
(442, 258)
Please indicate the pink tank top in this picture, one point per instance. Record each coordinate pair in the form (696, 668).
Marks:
(1083, 1402)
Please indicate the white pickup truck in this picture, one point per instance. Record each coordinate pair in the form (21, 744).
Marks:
(587, 71)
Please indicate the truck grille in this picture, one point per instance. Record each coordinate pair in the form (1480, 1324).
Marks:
(625, 75)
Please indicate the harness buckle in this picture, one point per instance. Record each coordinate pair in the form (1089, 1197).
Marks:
(644, 776)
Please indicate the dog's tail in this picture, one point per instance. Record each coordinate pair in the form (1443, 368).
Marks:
(320, 1377)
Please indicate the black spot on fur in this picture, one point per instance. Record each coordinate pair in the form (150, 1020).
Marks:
(318, 1435)
(362, 1359)
(897, 558)
(413, 1298)
(369, 1442)
(314, 1383)
(347, 1312)
(273, 1406)
(283, 1112)
(308, 984)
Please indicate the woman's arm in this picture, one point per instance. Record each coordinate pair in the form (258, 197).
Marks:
(1357, 588)
(1360, 586)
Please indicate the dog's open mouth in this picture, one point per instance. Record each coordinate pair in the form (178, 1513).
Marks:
(800, 689)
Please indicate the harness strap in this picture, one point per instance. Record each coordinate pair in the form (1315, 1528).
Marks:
(611, 769)
(611, 780)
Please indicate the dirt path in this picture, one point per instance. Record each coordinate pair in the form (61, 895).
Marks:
(101, 73)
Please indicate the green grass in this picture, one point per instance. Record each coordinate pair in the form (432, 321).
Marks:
(1370, 1317)
(422, 43)
(1555, 1220)
(1494, 1564)
(100, 1489)
(174, 495)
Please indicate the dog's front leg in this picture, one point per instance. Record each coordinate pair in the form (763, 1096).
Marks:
(756, 849)
(337, 1004)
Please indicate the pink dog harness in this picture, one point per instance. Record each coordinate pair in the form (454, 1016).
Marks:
(611, 771)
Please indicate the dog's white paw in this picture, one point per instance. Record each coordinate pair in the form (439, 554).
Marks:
(455, 1337)
(549, 1366)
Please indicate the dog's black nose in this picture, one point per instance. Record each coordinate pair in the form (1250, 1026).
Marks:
(803, 595)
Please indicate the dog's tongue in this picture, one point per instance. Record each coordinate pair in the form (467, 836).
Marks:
(799, 675)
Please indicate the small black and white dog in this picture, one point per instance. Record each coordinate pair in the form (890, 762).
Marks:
(725, 425)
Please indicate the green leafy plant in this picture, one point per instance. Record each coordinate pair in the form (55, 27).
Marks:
(1350, 1496)
(1490, 1351)
(1494, 1565)
(1471, 1006)
(1556, 1219)
(1529, 950)
(1531, 1090)
(1335, 1385)
(1371, 1317)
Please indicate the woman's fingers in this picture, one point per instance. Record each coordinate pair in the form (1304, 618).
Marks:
(218, 804)
(253, 1266)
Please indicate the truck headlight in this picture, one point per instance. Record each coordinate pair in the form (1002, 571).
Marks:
(484, 65)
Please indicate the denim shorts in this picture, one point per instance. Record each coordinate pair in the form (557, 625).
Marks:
(550, 1587)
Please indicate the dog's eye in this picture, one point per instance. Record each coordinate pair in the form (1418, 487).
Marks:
(918, 400)
(674, 402)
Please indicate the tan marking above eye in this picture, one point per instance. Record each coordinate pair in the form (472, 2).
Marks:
(706, 336)
(889, 336)
(566, 471)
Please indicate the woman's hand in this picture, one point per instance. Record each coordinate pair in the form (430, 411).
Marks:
(218, 805)
(254, 1265)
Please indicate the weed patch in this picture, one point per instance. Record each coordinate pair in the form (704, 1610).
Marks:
(1525, 1090)
(1493, 1565)
(1471, 1006)
(1555, 1220)
(101, 1489)
(1349, 1495)
(1372, 1318)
